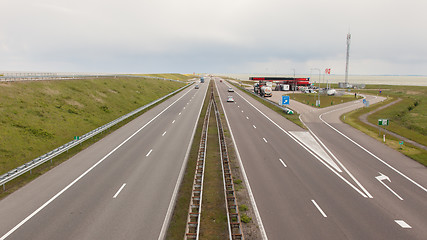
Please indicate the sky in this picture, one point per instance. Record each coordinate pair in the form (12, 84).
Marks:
(388, 37)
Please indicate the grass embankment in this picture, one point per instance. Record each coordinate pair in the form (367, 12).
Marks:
(173, 76)
(325, 100)
(293, 118)
(38, 116)
(407, 118)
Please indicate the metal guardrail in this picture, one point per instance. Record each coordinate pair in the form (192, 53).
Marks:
(233, 215)
(192, 228)
(5, 178)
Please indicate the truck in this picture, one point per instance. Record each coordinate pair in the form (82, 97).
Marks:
(263, 89)
(266, 91)
(202, 80)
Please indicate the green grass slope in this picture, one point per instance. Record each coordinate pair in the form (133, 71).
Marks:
(38, 116)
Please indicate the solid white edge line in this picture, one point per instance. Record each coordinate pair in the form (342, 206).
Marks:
(172, 202)
(283, 163)
(245, 177)
(149, 152)
(336, 159)
(373, 155)
(307, 149)
(120, 189)
(84, 174)
(403, 224)
(318, 208)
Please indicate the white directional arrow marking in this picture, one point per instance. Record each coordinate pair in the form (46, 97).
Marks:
(382, 177)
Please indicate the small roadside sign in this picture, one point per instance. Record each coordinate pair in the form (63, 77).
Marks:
(76, 137)
(285, 100)
(382, 122)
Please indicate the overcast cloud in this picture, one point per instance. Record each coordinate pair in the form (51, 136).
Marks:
(214, 36)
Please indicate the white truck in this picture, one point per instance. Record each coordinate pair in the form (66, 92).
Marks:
(266, 91)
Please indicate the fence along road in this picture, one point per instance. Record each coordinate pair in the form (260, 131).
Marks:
(119, 188)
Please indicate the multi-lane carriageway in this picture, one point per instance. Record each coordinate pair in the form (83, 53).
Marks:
(332, 183)
(328, 182)
(122, 187)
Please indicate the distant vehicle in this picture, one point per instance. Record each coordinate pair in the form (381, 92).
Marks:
(266, 91)
(263, 89)
(230, 99)
(309, 91)
(197, 86)
(230, 90)
(331, 92)
(202, 80)
(220, 80)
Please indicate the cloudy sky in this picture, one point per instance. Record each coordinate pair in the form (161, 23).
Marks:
(214, 36)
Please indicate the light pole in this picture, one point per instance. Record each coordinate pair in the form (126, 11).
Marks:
(318, 92)
(294, 80)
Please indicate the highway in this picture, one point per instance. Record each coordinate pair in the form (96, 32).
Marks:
(122, 187)
(328, 182)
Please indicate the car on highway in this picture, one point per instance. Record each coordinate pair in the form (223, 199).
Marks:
(309, 91)
(230, 99)
(220, 80)
(230, 90)
(197, 86)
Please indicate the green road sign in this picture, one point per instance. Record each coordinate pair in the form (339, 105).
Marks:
(382, 122)
(76, 137)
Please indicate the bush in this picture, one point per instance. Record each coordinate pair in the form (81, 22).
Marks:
(237, 181)
(245, 218)
(243, 208)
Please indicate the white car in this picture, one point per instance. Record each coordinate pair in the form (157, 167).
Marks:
(309, 91)
(230, 99)
(230, 90)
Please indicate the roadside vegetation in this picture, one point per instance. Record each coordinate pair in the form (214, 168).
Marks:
(325, 100)
(38, 116)
(173, 76)
(178, 221)
(249, 224)
(213, 221)
(407, 118)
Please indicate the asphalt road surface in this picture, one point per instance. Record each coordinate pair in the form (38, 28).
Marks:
(328, 182)
(122, 187)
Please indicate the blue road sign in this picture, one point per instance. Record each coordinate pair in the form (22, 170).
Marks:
(285, 100)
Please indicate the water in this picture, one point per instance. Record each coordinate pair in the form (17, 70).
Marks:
(353, 79)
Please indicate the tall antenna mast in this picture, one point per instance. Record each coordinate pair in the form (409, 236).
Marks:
(347, 57)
